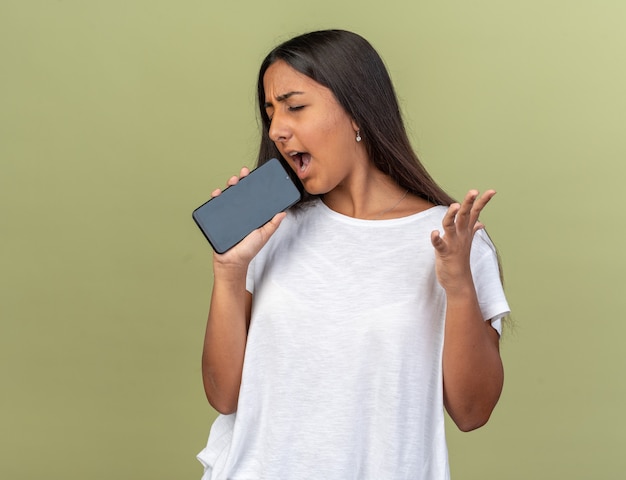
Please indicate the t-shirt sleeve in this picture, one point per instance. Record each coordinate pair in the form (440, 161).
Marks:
(486, 275)
(250, 276)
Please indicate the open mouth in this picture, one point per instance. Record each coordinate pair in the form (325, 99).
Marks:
(301, 160)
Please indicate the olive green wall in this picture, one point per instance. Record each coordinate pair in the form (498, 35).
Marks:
(117, 118)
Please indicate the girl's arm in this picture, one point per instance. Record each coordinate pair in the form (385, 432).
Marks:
(225, 338)
(229, 316)
(472, 368)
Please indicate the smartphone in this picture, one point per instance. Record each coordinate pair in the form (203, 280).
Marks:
(226, 219)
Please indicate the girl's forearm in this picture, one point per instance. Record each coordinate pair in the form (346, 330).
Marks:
(225, 342)
(472, 368)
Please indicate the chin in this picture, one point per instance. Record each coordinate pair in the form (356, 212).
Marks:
(314, 190)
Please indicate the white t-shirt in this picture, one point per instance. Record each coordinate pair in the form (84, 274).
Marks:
(342, 376)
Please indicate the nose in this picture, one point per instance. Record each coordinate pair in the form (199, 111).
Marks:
(279, 129)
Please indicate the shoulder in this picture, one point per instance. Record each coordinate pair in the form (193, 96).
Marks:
(482, 243)
(292, 227)
(413, 205)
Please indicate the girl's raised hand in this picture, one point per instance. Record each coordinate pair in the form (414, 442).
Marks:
(242, 253)
(452, 249)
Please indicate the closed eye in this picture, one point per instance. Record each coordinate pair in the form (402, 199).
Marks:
(270, 111)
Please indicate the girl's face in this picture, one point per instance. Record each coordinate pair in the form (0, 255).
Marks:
(311, 130)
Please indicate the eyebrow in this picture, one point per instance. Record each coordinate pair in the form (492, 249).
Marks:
(282, 98)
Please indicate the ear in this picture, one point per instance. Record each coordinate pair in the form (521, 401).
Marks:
(355, 126)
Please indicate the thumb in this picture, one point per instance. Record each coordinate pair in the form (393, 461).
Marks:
(436, 240)
(270, 227)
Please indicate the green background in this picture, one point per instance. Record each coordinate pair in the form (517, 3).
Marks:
(117, 118)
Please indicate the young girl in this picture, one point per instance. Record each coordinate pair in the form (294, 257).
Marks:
(340, 330)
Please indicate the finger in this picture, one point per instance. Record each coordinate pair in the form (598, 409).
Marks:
(216, 192)
(436, 240)
(449, 219)
(245, 171)
(479, 204)
(478, 226)
(464, 215)
(232, 181)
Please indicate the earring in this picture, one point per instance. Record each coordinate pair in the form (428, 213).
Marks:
(358, 135)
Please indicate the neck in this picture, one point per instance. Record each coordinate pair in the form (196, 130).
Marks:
(372, 197)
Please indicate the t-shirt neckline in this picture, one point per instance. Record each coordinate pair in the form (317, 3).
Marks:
(326, 210)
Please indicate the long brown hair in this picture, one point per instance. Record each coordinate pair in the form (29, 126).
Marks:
(352, 70)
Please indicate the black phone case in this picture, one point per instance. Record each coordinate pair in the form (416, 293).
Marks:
(227, 219)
